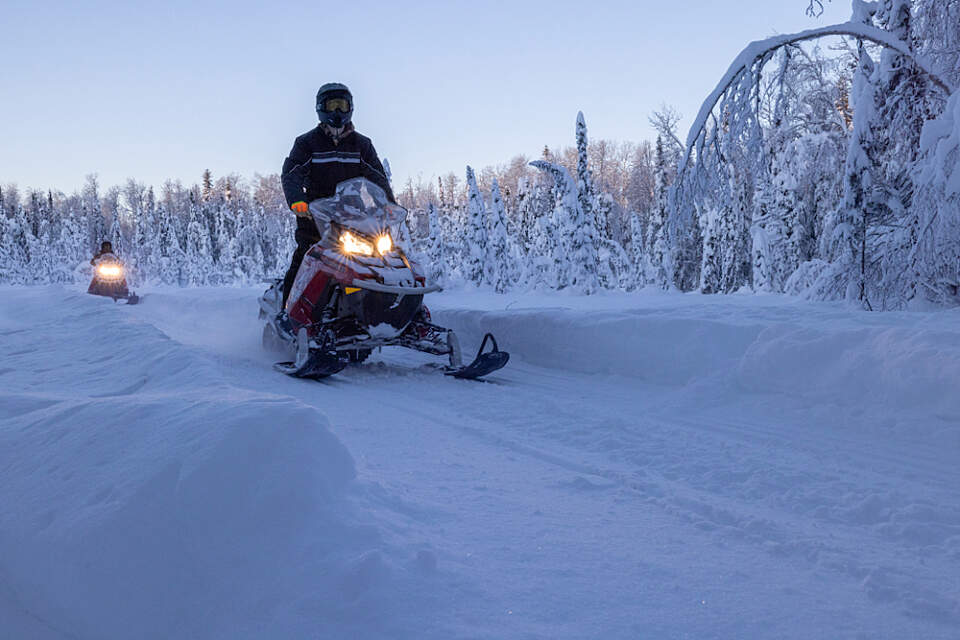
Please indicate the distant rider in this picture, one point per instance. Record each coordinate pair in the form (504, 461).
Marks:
(320, 160)
(105, 248)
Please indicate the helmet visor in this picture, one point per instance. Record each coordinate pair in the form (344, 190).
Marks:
(336, 104)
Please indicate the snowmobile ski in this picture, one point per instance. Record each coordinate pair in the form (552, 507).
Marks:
(484, 363)
(313, 363)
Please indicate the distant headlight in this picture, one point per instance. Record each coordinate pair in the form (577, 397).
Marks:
(109, 270)
(350, 243)
(384, 244)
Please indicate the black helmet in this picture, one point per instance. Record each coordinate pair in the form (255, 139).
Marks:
(106, 247)
(334, 104)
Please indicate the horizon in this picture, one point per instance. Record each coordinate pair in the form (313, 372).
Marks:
(126, 81)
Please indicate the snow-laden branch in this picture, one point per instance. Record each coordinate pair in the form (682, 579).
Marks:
(757, 50)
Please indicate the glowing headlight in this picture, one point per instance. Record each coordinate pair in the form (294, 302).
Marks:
(384, 244)
(110, 270)
(352, 244)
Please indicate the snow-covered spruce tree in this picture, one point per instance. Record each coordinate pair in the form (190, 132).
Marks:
(526, 213)
(71, 248)
(435, 246)
(170, 255)
(775, 211)
(24, 244)
(762, 269)
(542, 270)
(764, 226)
(656, 231)
(534, 202)
(476, 249)
(500, 268)
(584, 237)
(902, 106)
(868, 237)
(847, 229)
(935, 259)
(198, 259)
(586, 194)
(92, 212)
(9, 263)
(735, 265)
(246, 252)
(575, 254)
(711, 269)
(115, 234)
(638, 255)
(614, 268)
(207, 187)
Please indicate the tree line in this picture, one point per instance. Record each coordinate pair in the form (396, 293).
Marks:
(822, 168)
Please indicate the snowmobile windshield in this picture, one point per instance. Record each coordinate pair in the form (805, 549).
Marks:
(360, 205)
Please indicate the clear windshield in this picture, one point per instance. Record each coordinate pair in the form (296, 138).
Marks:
(359, 205)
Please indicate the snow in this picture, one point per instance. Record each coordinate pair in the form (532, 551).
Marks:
(648, 465)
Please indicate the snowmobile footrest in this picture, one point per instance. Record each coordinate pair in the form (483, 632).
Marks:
(484, 363)
(318, 365)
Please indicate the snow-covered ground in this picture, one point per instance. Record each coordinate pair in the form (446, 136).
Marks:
(647, 466)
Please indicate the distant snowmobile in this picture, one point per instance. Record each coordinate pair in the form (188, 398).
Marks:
(109, 279)
(356, 291)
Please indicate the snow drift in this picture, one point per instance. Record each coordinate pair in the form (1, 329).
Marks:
(901, 365)
(142, 496)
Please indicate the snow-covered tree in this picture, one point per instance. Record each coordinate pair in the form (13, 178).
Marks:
(475, 267)
(638, 254)
(435, 253)
(575, 253)
(500, 270)
(711, 270)
(656, 250)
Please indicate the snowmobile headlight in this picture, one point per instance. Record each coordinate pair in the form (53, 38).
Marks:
(384, 244)
(110, 270)
(352, 244)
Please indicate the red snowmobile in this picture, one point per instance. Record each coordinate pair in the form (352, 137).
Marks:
(110, 280)
(356, 290)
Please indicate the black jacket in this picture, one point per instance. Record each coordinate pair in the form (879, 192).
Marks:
(316, 166)
(100, 254)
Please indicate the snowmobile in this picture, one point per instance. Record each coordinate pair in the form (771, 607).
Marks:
(110, 280)
(356, 290)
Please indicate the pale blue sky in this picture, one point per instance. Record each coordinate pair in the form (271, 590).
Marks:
(163, 91)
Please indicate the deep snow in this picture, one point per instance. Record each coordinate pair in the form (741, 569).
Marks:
(647, 466)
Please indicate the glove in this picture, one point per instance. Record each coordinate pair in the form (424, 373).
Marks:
(300, 208)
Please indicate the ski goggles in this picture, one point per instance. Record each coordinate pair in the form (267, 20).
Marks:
(336, 104)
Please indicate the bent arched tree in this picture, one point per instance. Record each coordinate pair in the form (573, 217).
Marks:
(732, 168)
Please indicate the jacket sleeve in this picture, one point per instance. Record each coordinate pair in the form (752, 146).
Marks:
(295, 171)
(373, 170)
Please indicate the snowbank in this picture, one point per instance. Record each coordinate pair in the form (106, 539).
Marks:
(902, 364)
(141, 496)
(161, 518)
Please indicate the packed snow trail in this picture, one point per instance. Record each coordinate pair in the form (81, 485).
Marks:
(712, 468)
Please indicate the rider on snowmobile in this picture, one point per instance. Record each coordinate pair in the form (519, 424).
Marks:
(105, 247)
(320, 160)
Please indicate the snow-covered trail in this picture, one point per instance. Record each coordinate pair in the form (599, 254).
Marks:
(549, 502)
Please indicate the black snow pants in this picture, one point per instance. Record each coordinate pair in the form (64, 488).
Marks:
(306, 236)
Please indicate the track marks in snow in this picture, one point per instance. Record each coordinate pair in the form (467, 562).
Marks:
(15, 405)
(739, 483)
(124, 391)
